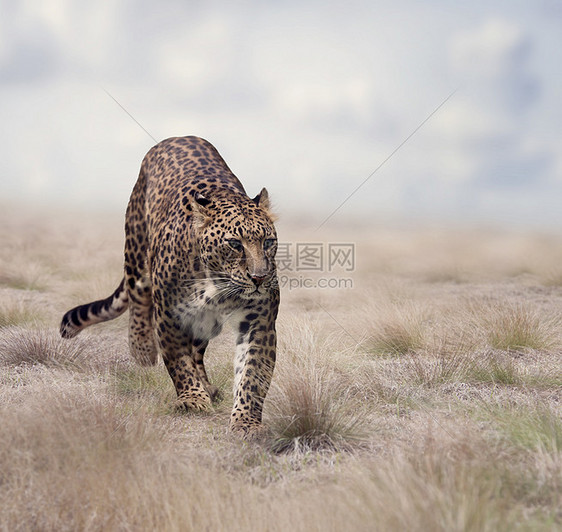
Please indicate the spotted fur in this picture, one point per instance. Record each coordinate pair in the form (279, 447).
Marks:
(198, 252)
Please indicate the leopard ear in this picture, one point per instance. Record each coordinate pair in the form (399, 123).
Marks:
(201, 214)
(262, 199)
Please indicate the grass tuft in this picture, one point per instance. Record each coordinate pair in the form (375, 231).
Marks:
(534, 428)
(396, 331)
(395, 339)
(309, 413)
(495, 368)
(20, 346)
(311, 404)
(432, 372)
(449, 359)
(516, 327)
(30, 277)
(17, 314)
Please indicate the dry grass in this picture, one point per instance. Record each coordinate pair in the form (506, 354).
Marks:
(400, 332)
(426, 398)
(16, 314)
(437, 488)
(517, 327)
(537, 426)
(311, 403)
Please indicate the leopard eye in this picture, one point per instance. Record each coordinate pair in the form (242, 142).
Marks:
(268, 243)
(235, 244)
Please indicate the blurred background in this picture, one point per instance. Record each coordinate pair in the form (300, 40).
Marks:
(307, 98)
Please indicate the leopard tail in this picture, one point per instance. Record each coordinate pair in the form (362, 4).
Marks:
(83, 316)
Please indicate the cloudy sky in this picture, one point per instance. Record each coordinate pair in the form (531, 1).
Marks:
(307, 98)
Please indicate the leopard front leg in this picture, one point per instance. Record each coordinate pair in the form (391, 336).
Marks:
(192, 394)
(254, 364)
(178, 354)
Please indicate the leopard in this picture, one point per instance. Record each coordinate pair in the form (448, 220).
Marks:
(199, 252)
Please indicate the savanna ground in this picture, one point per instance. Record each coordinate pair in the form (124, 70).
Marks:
(426, 397)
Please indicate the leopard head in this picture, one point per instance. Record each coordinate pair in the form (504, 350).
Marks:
(237, 242)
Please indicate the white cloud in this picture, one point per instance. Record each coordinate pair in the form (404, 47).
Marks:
(494, 60)
(305, 98)
(490, 128)
(489, 51)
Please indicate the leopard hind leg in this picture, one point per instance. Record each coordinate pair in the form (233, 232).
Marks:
(199, 347)
(141, 331)
(142, 344)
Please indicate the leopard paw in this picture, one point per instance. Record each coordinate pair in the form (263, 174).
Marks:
(198, 402)
(248, 429)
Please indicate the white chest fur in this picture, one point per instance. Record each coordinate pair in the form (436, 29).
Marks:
(203, 314)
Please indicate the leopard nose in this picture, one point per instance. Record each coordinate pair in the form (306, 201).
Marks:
(258, 279)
